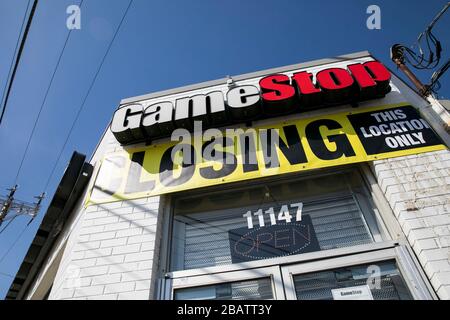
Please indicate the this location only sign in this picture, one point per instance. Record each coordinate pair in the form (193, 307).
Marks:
(261, 151)
(390, 130)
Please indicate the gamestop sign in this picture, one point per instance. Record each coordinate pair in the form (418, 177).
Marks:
(276, 94)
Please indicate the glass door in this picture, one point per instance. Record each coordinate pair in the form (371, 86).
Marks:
(250, 284)
(379, 275)
(386, 274)
(314, 237)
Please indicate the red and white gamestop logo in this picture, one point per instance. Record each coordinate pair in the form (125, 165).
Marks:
(277, 94)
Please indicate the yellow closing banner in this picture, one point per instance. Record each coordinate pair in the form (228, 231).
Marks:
(213, 157)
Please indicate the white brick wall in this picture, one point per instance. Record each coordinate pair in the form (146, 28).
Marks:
(418, 190)
(112, 253)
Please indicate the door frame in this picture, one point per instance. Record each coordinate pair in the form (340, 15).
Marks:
(382, 220)
(274, 273)
(415, 284)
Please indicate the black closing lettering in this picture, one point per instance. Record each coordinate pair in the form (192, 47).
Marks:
(133, 180)
(248, 150)
(228, 159)
(317, 144)
(293, 150)
(166, 167)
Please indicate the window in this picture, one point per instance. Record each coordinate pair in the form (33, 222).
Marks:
(249, 284)
(211, 230)
(384, 274)
(381, 281)
(314, 237)
(258, 289)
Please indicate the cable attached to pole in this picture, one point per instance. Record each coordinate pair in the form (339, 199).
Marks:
(401, 55)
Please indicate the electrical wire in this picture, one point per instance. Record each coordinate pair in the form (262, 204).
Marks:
(80, 109)
(6, 275)
(421, 61)
(14, 243)
(9, 222)
(32, 132)
(12, 61)
(429, 58)
(435, 85)
(30, 138)
(73, 123)
(19, 54)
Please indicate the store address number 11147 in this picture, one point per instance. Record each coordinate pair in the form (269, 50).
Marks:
(283, 215)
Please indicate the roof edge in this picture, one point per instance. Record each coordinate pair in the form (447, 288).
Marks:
(67, 194)
(245, 76)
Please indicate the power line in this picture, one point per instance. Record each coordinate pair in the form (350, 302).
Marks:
(435, 85)
(6, 275)
(14, 56)
(9, 222)
(14, 243)
(401, 54)
(73, 123)
(80, 109)
(75, 120)
(42, 104)
(36, 120)
(433, 46)
(11, 76)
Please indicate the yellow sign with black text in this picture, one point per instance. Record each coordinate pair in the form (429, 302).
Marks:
(212, 157)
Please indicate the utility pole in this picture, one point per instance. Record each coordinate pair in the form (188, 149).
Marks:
(399, 59)
(399, 51)
(9, 203)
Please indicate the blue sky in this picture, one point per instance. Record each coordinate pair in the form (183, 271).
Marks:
(163, 45)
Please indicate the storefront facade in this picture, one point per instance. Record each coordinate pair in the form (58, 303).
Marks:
(352, 202)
